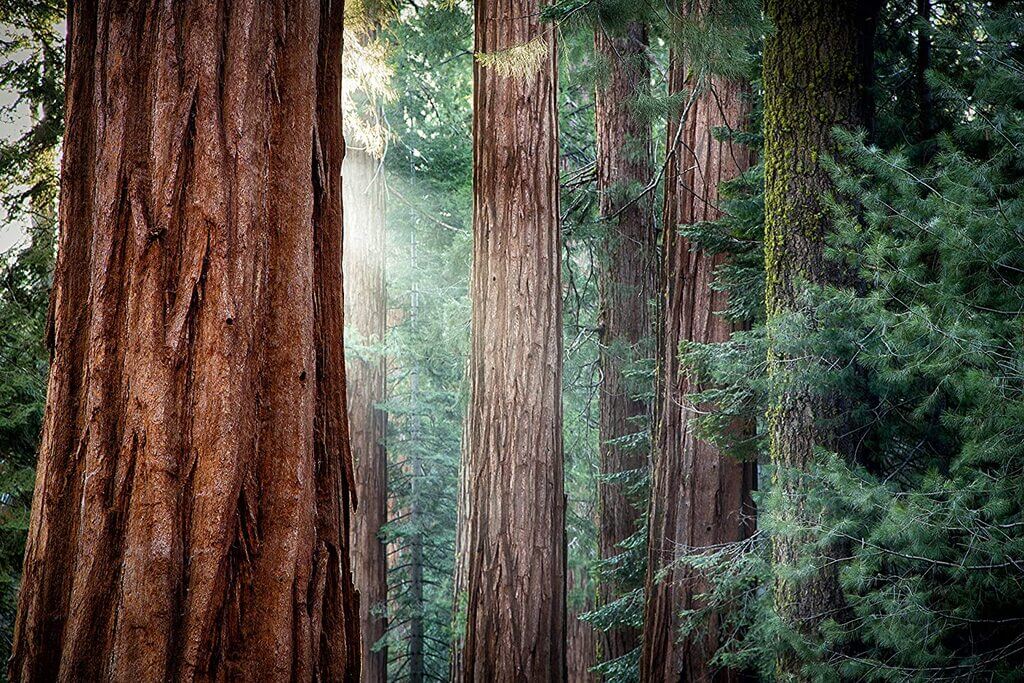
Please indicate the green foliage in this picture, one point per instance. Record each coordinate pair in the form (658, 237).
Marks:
(926, 356)
(31, 76)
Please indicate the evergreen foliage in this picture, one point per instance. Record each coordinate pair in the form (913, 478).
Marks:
(926, 352)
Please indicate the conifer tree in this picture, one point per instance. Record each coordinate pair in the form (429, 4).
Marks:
(818, 62)
(624, 169)
(700, 497)
(191, 508)
(366, 77)
(366, 317)
(513, 515)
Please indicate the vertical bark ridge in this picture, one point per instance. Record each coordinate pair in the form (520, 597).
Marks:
(193, 470)
(699, 496)
(627, 284)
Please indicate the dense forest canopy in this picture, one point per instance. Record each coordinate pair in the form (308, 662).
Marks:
(681, 341)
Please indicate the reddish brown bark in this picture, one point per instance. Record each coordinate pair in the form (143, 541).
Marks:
(191, 510)
(581, 638)
(366, 317)
(699, 496)
(514, 513)
(627, 283)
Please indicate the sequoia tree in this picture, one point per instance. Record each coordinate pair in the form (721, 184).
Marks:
(366, 316)
(514, 509)
(700, 497)
(817, 70)
(191, 509)
(624, 164)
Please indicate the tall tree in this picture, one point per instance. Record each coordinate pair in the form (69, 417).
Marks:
(817, 74)
(366, 317)
(191, 507)
(514, 512)
(700, 497)
(627, 283)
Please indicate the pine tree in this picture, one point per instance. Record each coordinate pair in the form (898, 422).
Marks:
(191, 508)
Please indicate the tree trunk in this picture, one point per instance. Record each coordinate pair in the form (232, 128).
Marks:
(624, 160)
(415, 473)
(700, 497)
(817, 65)
(581, 638)
(191, 509)
(515, 516)
(366, 315)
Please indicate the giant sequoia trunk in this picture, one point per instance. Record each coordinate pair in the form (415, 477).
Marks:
(366, 316)
(514, 509)
(817, 65)
(700, 497)
(624, 160)
(191, 509)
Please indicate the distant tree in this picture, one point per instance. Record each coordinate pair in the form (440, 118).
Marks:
(627, 288)
(366, 77)
(366, 318)
(192, 501)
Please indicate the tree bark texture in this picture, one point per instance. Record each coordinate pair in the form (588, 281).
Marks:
(817, 67)
(581, 638)
(700, 497)
(515, 516)
(192, 501)
(366, 317)
(627, 284)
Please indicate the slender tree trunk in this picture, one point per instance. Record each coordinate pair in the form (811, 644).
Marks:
(366, 315)
(581, 638)
(817, 66)
(515, 516)
(191, 509)
(624, 161)
(700, 497)
(415, 467)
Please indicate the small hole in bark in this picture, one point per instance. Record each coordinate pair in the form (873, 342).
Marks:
(229, 321)
(302, 376)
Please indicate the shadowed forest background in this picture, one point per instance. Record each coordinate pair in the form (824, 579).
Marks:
(790, 247)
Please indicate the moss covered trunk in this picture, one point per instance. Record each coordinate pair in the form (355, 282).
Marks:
(191, 509)
(627, 284)
(817, 68)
